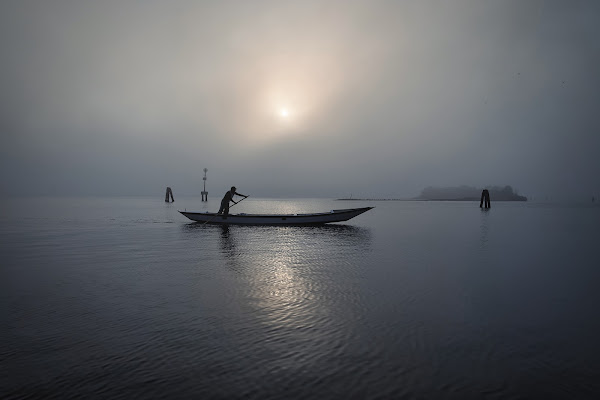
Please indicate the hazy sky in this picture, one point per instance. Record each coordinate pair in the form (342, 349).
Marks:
(299, 98)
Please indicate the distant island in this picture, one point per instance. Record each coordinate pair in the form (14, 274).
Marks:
(457, 193)
(469, 193)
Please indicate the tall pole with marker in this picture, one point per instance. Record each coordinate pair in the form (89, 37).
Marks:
(204, 192)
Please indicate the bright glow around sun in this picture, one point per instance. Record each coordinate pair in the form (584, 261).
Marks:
(285, 97)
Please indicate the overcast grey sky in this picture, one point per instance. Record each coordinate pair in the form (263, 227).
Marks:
(299, 98)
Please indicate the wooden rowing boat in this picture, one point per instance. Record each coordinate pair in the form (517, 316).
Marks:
(276, 219)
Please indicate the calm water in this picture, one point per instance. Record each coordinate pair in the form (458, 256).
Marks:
(123, 298)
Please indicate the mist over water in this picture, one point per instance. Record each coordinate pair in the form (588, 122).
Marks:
(381, 98)
(122, 297)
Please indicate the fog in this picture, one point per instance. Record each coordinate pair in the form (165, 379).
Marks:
(299, 99)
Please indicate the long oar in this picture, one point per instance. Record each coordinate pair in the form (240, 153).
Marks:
(214, 216)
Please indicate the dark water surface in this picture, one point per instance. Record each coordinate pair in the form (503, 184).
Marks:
(123, 298)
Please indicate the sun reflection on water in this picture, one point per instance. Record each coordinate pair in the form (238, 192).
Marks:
(290, 275)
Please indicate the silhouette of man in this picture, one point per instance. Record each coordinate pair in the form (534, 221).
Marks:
(226, 199)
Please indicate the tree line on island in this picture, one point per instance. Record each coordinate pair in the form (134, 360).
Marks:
(458, 193)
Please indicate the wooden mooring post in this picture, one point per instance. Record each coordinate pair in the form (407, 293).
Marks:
(204, 192)
(485, 197)
(169, 193)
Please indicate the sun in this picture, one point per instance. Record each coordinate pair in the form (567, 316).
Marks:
(284, 113)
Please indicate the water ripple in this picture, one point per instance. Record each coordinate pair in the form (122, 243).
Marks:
(127, 299)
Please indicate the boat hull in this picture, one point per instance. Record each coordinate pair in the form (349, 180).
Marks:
(276, 219)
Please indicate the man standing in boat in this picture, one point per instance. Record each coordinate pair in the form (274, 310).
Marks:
(226, 199)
